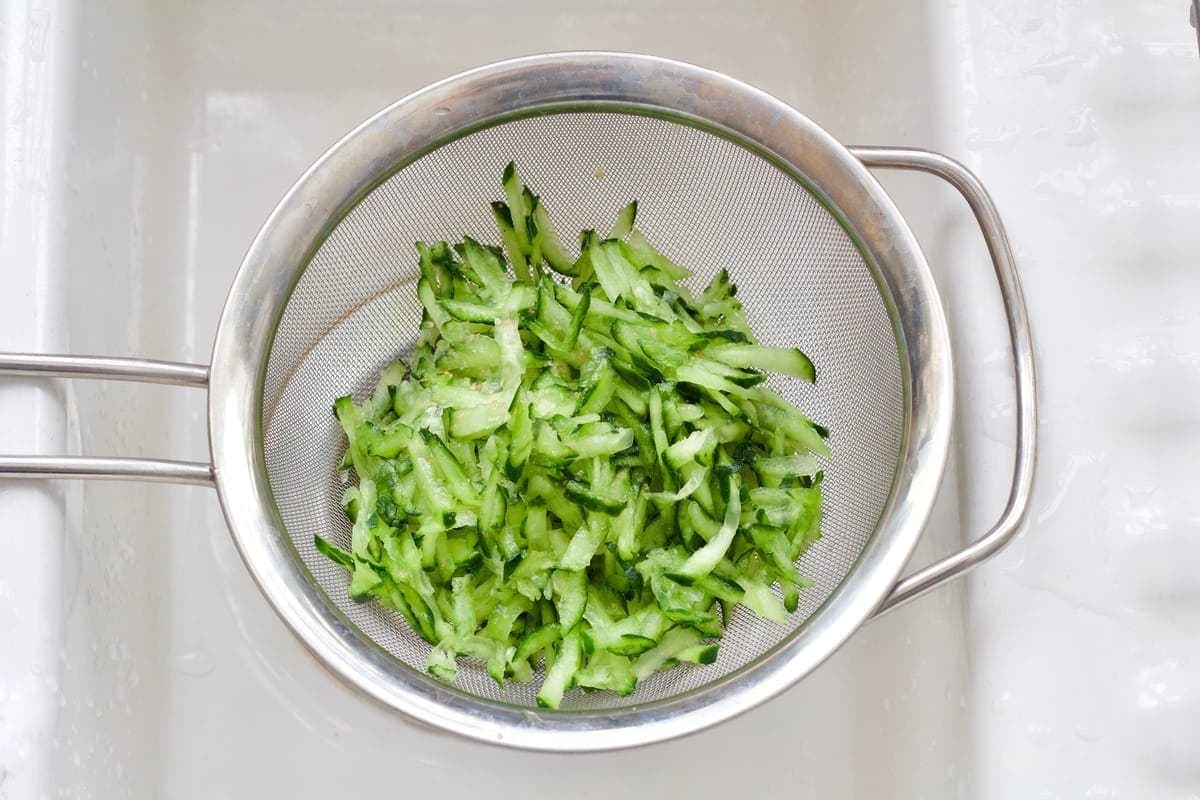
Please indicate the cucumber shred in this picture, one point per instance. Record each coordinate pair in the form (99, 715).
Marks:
(579, 472)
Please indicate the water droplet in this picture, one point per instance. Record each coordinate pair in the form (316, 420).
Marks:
(992, 140)
(1082, 130)
(196, 663)
(1054, 68)
(1040, 734)
(1156, 685)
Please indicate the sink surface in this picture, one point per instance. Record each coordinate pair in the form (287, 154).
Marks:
(146, 142)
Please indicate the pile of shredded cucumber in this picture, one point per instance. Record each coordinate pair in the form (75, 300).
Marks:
(585, 475)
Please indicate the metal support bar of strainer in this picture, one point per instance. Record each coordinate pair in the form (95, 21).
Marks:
(689, 107)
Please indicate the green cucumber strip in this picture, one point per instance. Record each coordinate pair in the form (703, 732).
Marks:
(775, 469)
(759, 599)
(440, 663)
(537, 640)
(514, 191)
(645, 624)
(429, 269)
(641, 253)
(512, 244)
(570, 596)
(578, 315)
(451, 471)
(464, 608)
(363, 582)
(706, 558)
(775, 548)
(607, 670)
(696, 447)
(698, 654)
(784, 360)
(531, 232)
(624, 222)
(601, 444)
(385, 443)
(593, 500)
(350, 417)
(561, 674)
(613, 279)
(334, 553)
(484, 268)
(433, 496)
(429, 301)
(791, 596)
(675, 641)
(632, 644)
(584, 545)
(499, 629)
(552, 248)
(628, 526)
(795, 426)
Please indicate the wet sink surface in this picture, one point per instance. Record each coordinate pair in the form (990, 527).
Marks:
(148, 142)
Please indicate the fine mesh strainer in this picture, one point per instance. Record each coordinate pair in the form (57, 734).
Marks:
(726, 176)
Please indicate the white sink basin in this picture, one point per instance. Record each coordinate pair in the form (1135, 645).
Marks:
(144, 148)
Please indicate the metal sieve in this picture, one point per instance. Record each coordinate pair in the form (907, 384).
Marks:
(726, 176)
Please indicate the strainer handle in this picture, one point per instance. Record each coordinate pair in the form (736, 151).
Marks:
(103, 468)
(988, 218)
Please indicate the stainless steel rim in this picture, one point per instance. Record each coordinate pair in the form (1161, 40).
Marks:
(546, 84)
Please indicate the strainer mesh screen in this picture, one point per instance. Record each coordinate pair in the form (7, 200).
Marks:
(708, 203)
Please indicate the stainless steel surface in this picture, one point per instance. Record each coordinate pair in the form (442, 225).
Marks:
(142, 370)
(112, 469)
(1194, 16)
(1021, 341)
(726, 175)
(587, 128)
